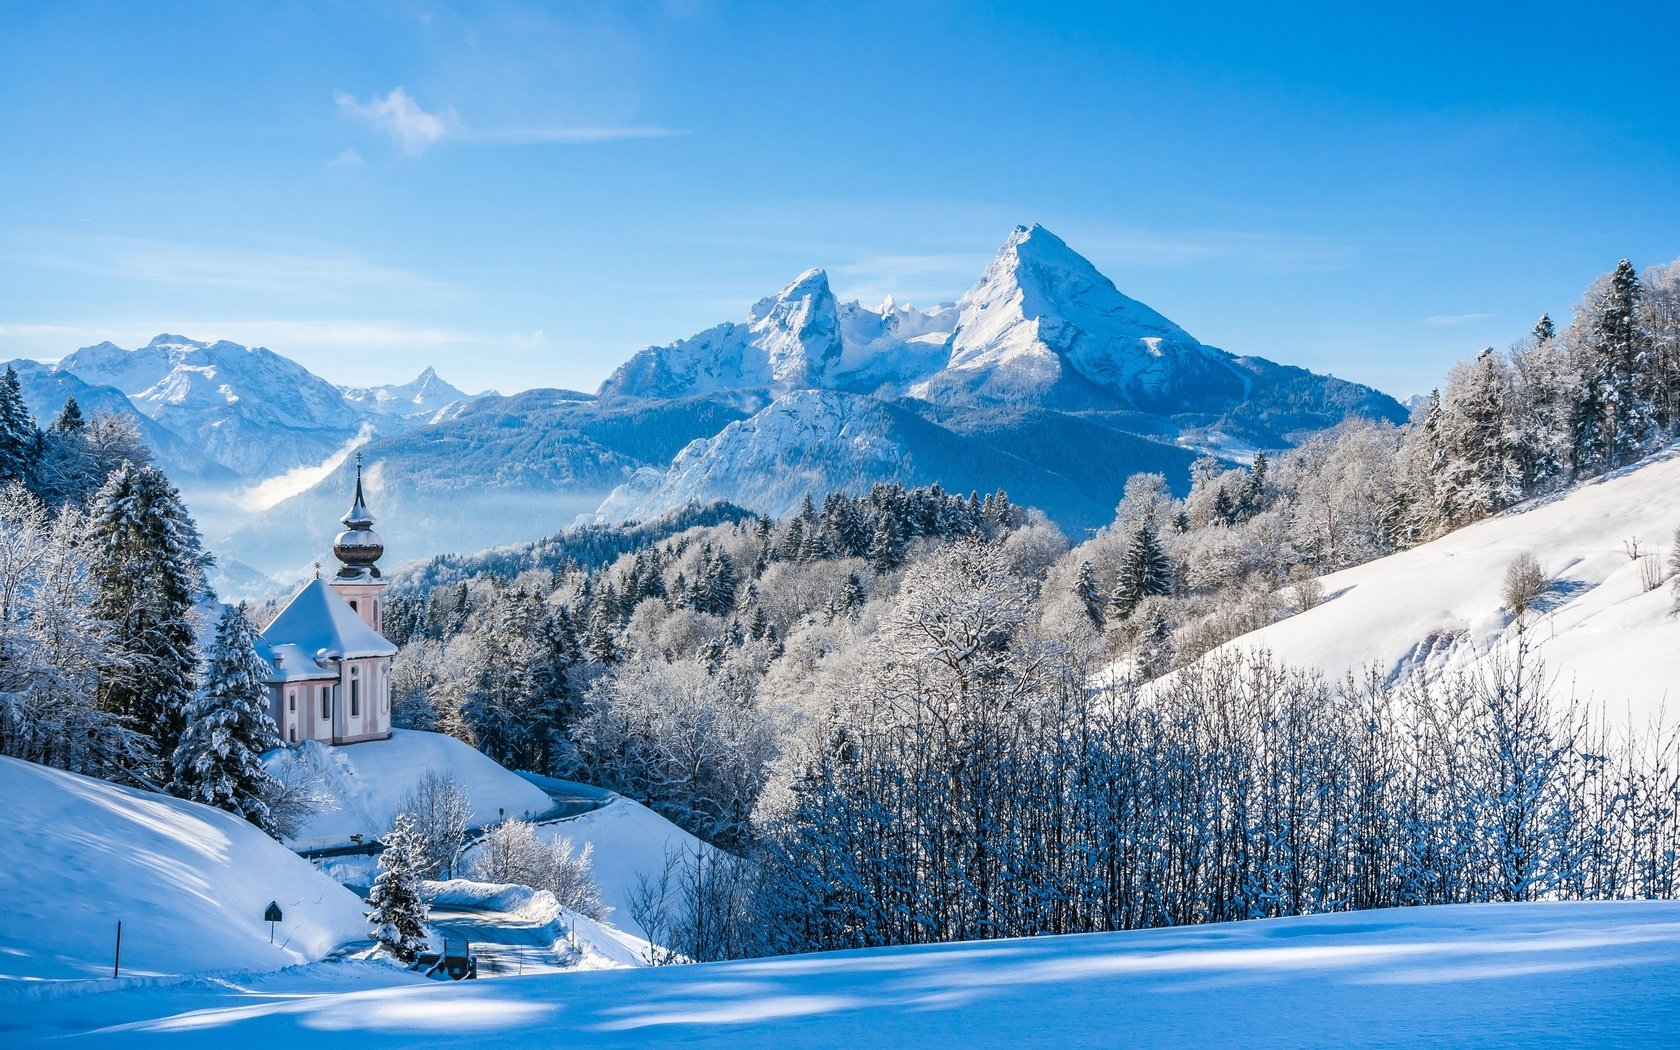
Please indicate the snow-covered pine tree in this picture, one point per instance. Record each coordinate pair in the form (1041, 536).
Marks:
(886, 548)
(395, 908)
(1144, 571)
(1544, 330)
(20, 439)
(148, 564)
(1089, 594)
(219, 758)
(1627, 356)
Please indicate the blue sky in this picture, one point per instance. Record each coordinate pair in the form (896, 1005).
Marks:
(523, 195)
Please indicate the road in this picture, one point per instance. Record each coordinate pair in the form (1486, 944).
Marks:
(570, 800)
(506, 945)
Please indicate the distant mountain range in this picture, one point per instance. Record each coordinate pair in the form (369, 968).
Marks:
(1043, 379)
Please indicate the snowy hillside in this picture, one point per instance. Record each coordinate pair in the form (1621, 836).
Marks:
(188, 883)
(1439, 605)
(370, 779)
(1524, 975)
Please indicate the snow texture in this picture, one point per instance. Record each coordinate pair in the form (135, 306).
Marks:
(1521, 975)
(1440, 606)
(370, 779)
(188, 883)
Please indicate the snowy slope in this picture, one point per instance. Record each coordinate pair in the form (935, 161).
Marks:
(370, 779)
(188, 883)
(1522, 976)
(1439, 605)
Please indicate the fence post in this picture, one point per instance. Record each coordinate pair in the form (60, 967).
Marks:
(116, 962)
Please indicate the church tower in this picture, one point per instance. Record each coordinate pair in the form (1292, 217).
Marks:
(358, 549)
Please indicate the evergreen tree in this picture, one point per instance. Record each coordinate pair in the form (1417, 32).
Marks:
(1626, 366)
(69, 419)
(20, 440)
(219, 759)
(1544, 330)
(148, 565)
(395, 908)
(1089, 594)
(1145, 571)
(886, 549)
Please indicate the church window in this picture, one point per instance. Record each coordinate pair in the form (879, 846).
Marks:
(326, 701)
(355, 694)
(353, 606)
(294, 734)
(291, 699)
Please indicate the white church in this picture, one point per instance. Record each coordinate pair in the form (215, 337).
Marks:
(331, 666)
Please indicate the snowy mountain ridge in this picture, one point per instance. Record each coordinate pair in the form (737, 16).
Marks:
(251, 410)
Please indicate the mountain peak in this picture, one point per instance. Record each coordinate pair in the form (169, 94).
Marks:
(1043, 316)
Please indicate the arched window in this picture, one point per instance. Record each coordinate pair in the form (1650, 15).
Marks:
(355, 693)
(291, 699)
(294, 734)
(353, 606)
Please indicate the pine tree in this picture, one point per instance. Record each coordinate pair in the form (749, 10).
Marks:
(1626, 355)
(20, 440)
(1544, 330)
(886, 549)
(219, 759)
(148, 564)
(395, 908)
(69, 419)
(1145, 571)
(1089, 595)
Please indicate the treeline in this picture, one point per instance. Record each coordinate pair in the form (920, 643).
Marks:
(965, 783)
(103, 597)
(643, 675)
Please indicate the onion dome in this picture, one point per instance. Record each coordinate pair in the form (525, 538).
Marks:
(358, 547)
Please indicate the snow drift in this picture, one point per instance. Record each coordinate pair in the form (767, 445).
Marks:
(188, 883)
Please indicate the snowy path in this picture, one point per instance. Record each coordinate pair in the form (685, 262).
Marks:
(1532, 975)
(506, 945)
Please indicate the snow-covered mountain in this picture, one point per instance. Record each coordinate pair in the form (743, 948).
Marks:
(1042, 373)
(424, 399)
(820, 441)
(250, 409)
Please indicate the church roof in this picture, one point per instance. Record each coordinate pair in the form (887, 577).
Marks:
(317, 624)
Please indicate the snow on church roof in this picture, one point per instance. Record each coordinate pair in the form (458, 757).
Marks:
(318, 623)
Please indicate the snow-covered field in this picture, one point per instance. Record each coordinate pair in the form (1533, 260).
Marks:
(1523, 975)
(188, 883)
(369, 780)
(1439, 605)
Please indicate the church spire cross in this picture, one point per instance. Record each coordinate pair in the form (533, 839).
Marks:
(358, 517)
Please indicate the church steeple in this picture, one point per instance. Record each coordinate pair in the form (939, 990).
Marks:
(358, 547)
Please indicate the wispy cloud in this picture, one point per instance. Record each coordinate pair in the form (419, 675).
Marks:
(414, 129)
(1454, 320)
(349, 158)
(399, 116)
(330, 273)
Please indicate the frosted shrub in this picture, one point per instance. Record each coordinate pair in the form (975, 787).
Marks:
(1524, 583)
